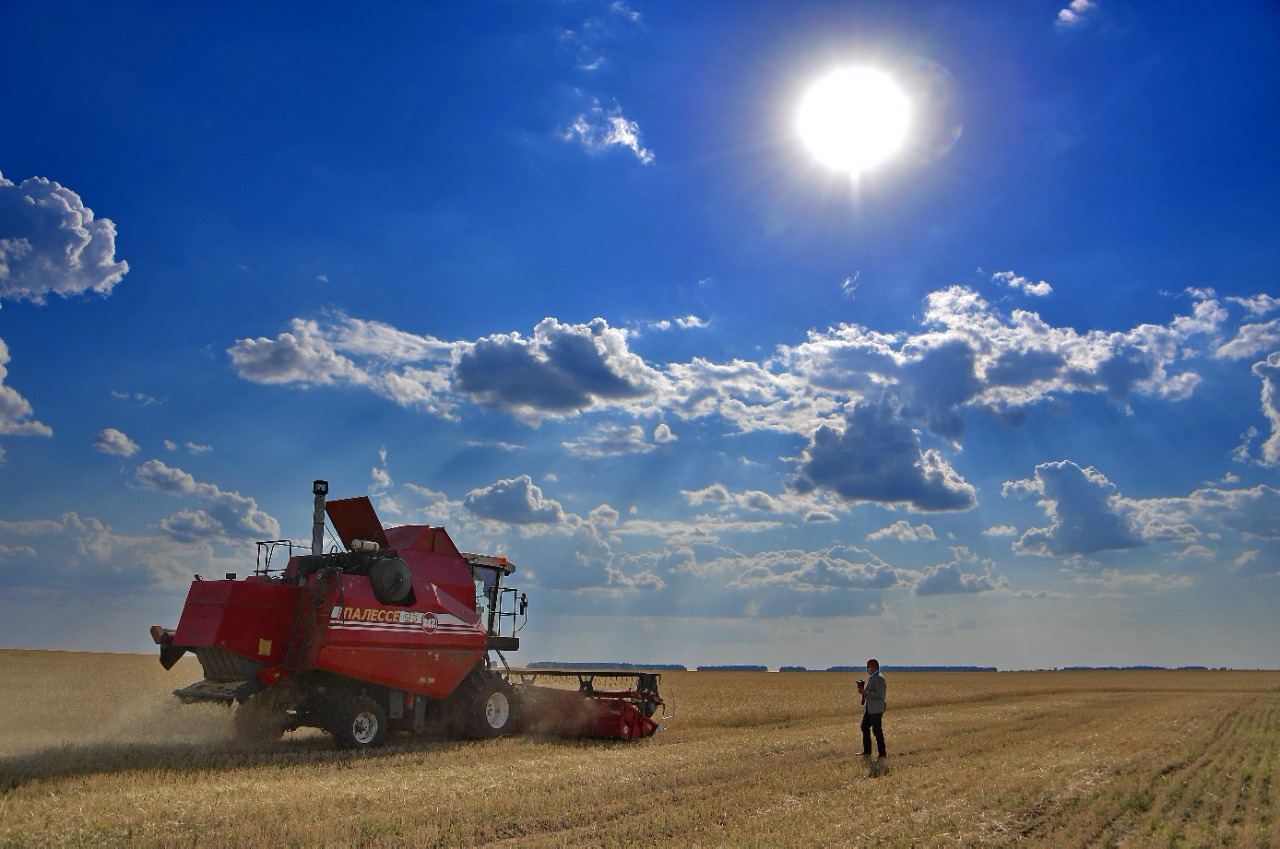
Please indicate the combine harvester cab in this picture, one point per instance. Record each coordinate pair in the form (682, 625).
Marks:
(392, 634)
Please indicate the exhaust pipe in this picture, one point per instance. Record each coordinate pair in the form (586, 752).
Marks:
(320, 489)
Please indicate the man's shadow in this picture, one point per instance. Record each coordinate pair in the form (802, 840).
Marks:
(877, 767)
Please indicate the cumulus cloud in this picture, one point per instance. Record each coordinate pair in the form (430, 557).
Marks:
(90, 536)
(1268, 371)
(1088, 515)
(1001, 531)
(1251, 340)
(430, 505)
(597, 130)
(971, 355)
(1074, 13)
(1257, 304)
(843, 567)
(609, 439)
(949, 579)
(604, 516)
(1253, 512)
(763, 502)
(967, 354)
(112, 441)
(314, 354)
(751, 396)
(379, 479)
(1027, 287)
(878, 457)
(719, 496)
(302, 355)
(584, 560)
(191, 526)
(1085, 512)
(662, 434)
(51, 243)
(11, 552)
(236, 514)
(17, 418)
(715, 494)
(1240, 454)
(85, 552)
(561, 370)
(904, 531)
(894, 387)
(517, 501)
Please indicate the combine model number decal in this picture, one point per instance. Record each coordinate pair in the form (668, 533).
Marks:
(383, 619)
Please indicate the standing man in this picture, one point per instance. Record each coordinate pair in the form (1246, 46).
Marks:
(873, 692)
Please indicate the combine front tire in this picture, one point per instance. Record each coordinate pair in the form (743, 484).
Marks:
(359, 723)
(489, 707)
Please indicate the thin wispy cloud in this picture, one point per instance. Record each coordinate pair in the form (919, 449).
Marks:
(140, 397)
(598, 130)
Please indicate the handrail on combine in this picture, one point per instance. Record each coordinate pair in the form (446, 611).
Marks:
(267, 549)
(518, 612)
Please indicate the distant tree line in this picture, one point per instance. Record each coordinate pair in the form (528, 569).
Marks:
(887, 668)
(559, 664)
(1131, 668)
(752, 667)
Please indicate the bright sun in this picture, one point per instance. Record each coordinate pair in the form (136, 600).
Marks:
(854, 118)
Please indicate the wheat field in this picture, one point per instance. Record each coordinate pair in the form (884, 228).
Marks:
(94, 751)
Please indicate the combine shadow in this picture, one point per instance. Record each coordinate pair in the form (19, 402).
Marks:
(299, 748)
(113, 758)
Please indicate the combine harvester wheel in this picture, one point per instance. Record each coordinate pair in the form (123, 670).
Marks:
(358, 723)
(486, 707)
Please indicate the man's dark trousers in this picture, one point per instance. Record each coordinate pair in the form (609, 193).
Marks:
(871, 722)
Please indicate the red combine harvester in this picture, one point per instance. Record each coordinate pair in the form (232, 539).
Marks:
(392, 634)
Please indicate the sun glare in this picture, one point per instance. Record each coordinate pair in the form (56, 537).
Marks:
(854, 119)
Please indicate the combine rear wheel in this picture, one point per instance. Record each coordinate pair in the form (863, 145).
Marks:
(359, 723)
(488, 706)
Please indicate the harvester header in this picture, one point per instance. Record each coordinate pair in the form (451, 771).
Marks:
(392, 633)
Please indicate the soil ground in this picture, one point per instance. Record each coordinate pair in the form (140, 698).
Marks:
(94, 750)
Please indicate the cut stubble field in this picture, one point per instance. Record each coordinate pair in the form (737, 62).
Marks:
(94, 750)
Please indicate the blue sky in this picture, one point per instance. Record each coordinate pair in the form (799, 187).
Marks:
(563, 277)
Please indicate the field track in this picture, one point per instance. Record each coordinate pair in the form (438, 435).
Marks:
(94, 751)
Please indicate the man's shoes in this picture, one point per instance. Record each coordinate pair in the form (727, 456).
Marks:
(864, 754)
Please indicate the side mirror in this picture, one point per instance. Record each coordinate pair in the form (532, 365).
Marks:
(524, 603)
